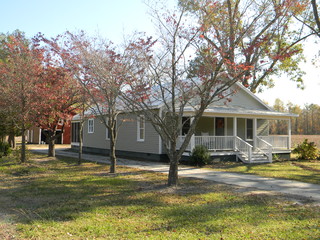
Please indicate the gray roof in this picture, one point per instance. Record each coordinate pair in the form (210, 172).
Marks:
(237, 110)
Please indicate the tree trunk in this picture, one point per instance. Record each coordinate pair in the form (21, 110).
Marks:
(173, 171)
(51, 150)
(11, 140)
(23, 144)
(113, 158)
(80, 143)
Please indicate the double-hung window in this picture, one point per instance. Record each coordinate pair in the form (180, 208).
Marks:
(91, 125)
(140, 128)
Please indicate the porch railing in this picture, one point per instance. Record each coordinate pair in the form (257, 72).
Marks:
(278, 142)
(265, 148)
(243, 147)
(213, 143)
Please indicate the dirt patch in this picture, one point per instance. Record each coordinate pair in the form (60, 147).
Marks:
(7, 225)
(7, 228)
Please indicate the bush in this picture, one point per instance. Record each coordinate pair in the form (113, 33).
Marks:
(5, 149)
(306, 150)
(200, 156)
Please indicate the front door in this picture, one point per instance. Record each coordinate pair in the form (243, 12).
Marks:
(220, 124)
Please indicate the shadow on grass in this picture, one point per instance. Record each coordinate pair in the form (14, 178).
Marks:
(67, 192)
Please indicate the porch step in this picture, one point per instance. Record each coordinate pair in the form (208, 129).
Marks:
(255, 158)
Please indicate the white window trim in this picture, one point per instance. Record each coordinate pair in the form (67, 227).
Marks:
(139, 128)
(89, 130)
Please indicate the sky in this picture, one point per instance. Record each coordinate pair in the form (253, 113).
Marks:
(113, 19)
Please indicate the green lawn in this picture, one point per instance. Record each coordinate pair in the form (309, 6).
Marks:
(300, 170)
(49, 198)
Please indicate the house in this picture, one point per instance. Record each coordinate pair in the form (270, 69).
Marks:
(236, 131)
(35, 135)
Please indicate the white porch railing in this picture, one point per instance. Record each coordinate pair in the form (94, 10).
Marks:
(264, 145)
(265, 148)
(243, 147)
(278, 142)
(213, 143)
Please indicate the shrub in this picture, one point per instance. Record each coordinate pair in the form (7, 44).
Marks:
(5, 149)
(200, 156)
(306, 150)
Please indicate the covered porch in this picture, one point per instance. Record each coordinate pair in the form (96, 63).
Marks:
(246, 135)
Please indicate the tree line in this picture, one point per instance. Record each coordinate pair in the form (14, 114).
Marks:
(202, 48)
(307, 122)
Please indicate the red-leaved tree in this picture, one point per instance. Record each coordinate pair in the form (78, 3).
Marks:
(98, 68)
(19, 80)
(61, 98)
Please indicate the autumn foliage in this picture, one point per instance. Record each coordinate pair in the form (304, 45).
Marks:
(35, 89)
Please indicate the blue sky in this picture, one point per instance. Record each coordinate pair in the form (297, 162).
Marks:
(115, 18)
(111, 18)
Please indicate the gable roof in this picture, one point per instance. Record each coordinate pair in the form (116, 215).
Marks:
(251, 94)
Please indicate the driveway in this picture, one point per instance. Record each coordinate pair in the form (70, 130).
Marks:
(305, 190)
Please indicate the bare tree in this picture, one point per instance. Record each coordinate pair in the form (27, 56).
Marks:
(315, 11)
(170, 82)
(99, 70)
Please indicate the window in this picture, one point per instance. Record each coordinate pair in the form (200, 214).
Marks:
(141, 128)
(249, 129)
(90, 125)
(75, 132)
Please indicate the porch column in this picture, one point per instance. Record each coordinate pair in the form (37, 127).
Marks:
(254, 133)
(160, 139)
(289, 133)
(192, 140)
(234, 132)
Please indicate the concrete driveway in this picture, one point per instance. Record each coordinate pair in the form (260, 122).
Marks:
(305, 190)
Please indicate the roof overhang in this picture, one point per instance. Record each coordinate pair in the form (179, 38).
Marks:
(241, 112)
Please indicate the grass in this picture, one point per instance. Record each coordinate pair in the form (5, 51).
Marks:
(299, 170)
(50, 198)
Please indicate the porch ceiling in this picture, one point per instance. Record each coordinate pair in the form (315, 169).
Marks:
(243, 112)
